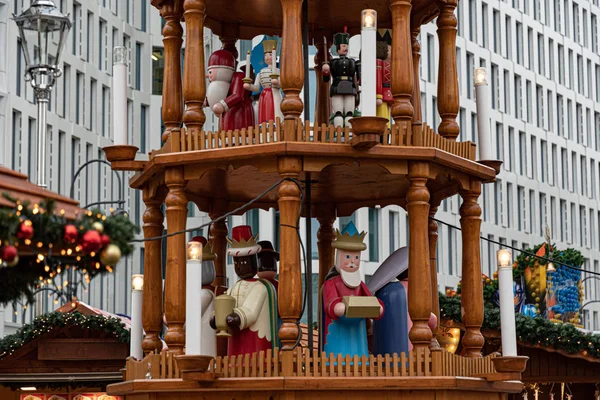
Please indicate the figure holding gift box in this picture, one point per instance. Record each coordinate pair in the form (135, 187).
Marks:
(344, 328)
(253, 320)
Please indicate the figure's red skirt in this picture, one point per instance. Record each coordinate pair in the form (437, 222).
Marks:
(266, 106)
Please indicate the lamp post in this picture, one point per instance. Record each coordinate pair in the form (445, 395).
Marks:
(193, 284)
(37, 28)
(368, 62)
(507, 306)
(135, 344)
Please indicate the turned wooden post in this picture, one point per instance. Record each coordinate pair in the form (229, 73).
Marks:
(172, 98)
(416, 93)
(447, 98)
(229, 36)
(290, 285)
(152, 308)
(472, 287)
(402, 74)
(194, 77)
(218, 234)
(325, 237)
(176, 203)
(323, 101)
(292, 66)
(435, 299)
(419, 279)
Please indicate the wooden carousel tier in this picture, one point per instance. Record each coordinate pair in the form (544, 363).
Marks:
(236, 167)
(326, 17)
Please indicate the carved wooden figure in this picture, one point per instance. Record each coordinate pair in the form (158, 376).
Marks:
(269, 102)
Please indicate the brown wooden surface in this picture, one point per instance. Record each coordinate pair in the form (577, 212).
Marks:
(194, 82)
(402, 66)
(435, 299)
(415, 100)
(81, 349)
(292, 66)
(229, 37)
(152, 309)
(325, 236)
(290, 304)
(322, 100)
(172, 98)
(176, 203)
(218, 235)
(419, 274)
(472, 287)
(448, 100)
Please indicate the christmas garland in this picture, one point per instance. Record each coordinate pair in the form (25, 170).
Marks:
(533, 331)
(48, 322)
(49, 244)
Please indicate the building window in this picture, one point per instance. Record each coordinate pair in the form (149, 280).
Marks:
(469, 72)
(143, 127)
(374, 234)
(158, 69)
(314, 230)
(138, 66)
(252, 219)
(144, 17)
(393, 230)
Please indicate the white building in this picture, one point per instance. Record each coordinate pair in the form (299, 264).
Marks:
(544, 74)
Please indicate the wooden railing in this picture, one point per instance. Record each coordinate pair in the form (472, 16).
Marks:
(400, 134)
(422, 362)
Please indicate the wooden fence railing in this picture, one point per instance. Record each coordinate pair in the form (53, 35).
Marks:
(421, 362)
(400, 134)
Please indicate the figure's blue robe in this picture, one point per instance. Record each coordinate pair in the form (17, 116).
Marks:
(390, 333)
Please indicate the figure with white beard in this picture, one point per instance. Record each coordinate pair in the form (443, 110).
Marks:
(343, 335)
(225, 94)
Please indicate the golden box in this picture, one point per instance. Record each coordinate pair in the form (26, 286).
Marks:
(361, 306)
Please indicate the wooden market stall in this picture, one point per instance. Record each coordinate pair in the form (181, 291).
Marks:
(63, 355)
(410, 164)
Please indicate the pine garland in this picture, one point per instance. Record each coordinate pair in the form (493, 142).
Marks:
(533, 331)
(48, 322)
(49, 241)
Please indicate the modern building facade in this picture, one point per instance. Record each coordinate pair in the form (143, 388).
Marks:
(544, 75)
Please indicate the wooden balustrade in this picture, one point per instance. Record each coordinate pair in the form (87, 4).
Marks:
(400, 134)
(419, 362)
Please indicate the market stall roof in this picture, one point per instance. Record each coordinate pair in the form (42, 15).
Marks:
(18, 186)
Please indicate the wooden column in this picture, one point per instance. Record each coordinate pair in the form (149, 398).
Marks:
(323, 101)
(416, 93)
(292, 65)
(435, 299)
(290, 285)
(447, 99)
(229, 37)
(402, 74)
(152, 308)
(325, 237)
(472, 287)
(218, 233)
(194, 78)
(419, 274)
(172, 99)
(176, 202)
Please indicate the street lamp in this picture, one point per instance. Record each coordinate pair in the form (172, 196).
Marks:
(37, 28)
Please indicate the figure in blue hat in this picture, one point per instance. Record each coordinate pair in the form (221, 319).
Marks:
(341, 334)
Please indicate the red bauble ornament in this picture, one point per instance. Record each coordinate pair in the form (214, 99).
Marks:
(91, 241)
(25, 230)
(9, 253)
(105, 240)
(71, 234)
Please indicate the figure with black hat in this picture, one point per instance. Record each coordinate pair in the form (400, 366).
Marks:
(384, 73)
(346, 300)
(344, 87)
(267, 262)
(253, 320)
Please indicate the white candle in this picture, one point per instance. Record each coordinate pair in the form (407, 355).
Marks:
(368, 45)
(248, 65)
(507, 308)
(119, 88)
(274, 60)
(482, 95)
(135, 343)
(193, 300)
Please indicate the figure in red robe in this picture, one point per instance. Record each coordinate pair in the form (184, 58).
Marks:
(253, 322)
(384, 73)
(341, 334)
(225, 94)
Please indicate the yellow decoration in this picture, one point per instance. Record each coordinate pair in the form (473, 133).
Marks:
(110, 255)
(97, 226)
(449, 338)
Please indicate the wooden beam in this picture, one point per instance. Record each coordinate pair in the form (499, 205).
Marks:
(292, 66)
(415, 100)
(435, 299)
(402, 65)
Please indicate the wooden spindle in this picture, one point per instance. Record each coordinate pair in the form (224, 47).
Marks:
(448, 100)
(402, 74)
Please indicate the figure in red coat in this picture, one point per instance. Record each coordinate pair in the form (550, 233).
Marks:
(384, 73)
(225, 94)
(344, 335)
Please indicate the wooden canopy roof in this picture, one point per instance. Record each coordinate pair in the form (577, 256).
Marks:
(326, 17)
(18, 186)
